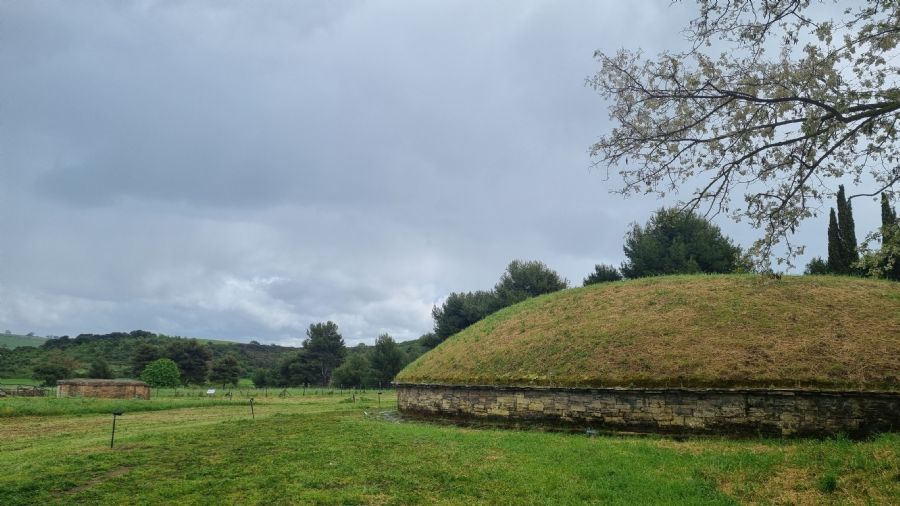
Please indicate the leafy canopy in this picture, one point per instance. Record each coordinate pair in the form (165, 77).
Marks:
(325, 348)
(782, 126)
(226, 370)
(161, 373)
(676, 242)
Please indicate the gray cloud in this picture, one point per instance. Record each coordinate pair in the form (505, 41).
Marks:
(240, 170)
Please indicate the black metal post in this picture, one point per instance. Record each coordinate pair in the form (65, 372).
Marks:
(112, 438)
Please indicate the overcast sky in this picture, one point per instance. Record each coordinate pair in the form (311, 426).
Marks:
(239, 170)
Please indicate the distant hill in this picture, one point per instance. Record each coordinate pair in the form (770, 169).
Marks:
(22, 353)
(117, 349)
(12, 341)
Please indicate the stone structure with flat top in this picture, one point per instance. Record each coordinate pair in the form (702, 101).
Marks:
(103, 388)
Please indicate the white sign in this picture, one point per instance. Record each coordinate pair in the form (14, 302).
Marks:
(211, 391)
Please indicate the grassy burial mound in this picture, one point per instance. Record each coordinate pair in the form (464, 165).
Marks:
(691, 331)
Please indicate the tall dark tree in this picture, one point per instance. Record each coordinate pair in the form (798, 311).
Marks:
(192, 359)
(847, 230)
(326, 348)
(525, 279)
(142, 356)
(677, 242)
(225, 370)
(888, 218)
(836, 259)
(387, 359)
(298, 369)
(99, 369)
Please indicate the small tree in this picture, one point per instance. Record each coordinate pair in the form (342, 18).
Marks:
(461, 310)
(355, 372)
(387, 359)
(602, 274)
(162, 373)
(816, 266)
(100, 369)
(325, 347)
(226, 370)
(677, 242)
(263, 378)
(526, 279)
(54, 368)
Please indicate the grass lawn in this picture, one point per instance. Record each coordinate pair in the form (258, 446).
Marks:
(325, 449)
(19, 381)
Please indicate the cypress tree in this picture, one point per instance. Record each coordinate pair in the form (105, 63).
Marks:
(836, 263)
(847, 230)
(888, 218)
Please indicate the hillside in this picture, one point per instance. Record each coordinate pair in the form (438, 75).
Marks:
(698, 331)
(12, 341)
(117, 348)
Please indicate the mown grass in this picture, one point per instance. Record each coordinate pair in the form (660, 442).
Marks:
(161, 399)
(328, 450)
(19, 381)
(693, 331)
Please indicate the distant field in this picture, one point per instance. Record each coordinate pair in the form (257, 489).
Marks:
(327, 449)
(19, 381)
(14, 341)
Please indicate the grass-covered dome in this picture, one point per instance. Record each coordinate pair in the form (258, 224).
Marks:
(691, 331)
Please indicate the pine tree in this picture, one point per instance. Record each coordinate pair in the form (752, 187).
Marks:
(847, 230)
(836, 263)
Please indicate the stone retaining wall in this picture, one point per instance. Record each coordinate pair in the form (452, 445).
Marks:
(677, 410)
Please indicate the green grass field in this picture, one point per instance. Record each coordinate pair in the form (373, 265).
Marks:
(14, 341)
(326, 449)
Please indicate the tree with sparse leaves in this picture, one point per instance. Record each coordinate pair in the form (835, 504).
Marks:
(783, 127)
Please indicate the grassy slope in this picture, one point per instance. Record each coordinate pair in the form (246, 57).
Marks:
(834, 332)
(324, 450)
(12, 341)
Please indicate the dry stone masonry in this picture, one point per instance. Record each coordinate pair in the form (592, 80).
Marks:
(774, 412)
(108, 389)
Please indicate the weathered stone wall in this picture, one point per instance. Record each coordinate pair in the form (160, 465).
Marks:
(106, 391)
(700, 411)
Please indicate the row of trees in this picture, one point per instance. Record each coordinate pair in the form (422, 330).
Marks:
(325, 360)
(520, 280)
(844, 255)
